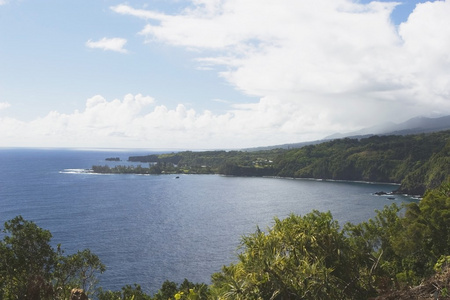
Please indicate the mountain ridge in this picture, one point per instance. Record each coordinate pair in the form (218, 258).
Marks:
(414, 125)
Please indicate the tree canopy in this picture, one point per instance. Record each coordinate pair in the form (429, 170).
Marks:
(31, 269)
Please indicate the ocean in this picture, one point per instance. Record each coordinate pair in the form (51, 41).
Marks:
(150, 228)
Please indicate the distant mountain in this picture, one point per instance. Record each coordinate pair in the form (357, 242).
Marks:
(286, 146)
(412, 126)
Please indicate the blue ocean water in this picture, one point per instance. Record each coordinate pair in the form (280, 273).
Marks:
(148, 229)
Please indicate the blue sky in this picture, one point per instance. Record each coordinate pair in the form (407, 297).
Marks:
(208, 74)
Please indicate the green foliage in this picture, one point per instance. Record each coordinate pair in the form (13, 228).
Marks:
(31, 269)
(152, 169)
(442, 263)
(169, 290)
(186, 290)
(128, 293)
(77, 271)
(191, 295)
(418, 162)
(27, 261)
(407, 246)
(429, 174)
(190, 291)
(242, 163)
(309, 257)
(298, 258)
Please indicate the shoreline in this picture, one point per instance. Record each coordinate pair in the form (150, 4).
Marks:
(377, 193)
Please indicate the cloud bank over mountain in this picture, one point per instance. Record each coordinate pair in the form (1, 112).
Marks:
(316, 66)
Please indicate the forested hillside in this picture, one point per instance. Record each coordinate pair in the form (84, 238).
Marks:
(418, 162)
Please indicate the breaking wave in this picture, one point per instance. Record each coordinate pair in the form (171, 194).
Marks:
(76, 171)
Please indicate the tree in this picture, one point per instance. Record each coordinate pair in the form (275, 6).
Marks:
(27, 261)
(374, 247)
(128, 293)
(298, 258)
(31, 269)
(76, 271)
(167, 291)
(403, 244)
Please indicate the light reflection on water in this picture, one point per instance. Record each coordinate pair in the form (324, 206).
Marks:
(147, 229)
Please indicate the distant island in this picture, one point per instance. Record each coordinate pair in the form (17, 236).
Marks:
(112, 159)
(416, 162)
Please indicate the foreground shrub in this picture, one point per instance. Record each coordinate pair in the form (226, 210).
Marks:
(300, 257)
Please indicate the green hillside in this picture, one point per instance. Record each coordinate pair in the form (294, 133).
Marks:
(417, 162)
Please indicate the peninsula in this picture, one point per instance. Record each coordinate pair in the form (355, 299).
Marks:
(416, 162)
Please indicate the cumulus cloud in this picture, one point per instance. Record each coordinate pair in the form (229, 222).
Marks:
(338, 62)
(317, 67)
(111, 44)
(4, 105)
(137, 121)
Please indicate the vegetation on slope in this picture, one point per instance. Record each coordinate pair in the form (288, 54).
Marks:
(207, 162)
(311, 257)
(418, 162)
(300, 257)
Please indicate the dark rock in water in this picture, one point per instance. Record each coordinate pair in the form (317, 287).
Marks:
(380, 193)
(113, 159)
(391, 198)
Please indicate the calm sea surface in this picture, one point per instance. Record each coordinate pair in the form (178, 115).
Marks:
(147, 229)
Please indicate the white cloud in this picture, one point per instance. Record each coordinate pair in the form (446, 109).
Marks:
(426, 37)
(3, 2)
(221, 101)
(338, 62)
(112, 44)
(140, 13)
(317, 66)
(4, 105)
(136, 121)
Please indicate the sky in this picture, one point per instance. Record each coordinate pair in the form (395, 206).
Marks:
(216, 74)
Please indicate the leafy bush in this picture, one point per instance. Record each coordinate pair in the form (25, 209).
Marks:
(300, 257)
(309, 257)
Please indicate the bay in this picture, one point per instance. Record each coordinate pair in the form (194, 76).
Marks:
(150, 228)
